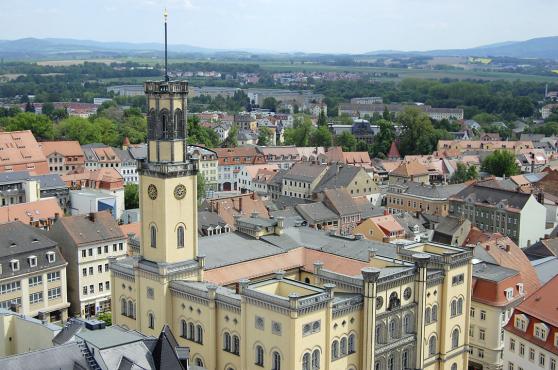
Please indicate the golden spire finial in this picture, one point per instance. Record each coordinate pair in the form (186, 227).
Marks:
(166, 14)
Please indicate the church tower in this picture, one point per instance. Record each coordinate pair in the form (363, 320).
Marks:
(168, 176)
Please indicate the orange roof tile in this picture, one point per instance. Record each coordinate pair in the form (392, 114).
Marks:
(19, 148)
(64, 148)
(133, 228)
(42, 209)
(410, 168)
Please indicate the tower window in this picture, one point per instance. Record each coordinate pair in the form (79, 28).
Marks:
(153, 236)
(180, 237)
(151, 320)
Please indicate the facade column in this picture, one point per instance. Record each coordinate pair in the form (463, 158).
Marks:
(244, 350)
(421, 263)
(212, 334)
(329, 288)
(368, 338)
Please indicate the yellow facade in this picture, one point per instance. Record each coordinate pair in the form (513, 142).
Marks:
(380, 318)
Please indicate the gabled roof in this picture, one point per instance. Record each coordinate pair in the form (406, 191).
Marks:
(542, 304)
(338, 176)
(393, 151)
(65, 148)
(84, 229)
(410, 168)
(316, 212)
(492, 196)
(40, 210)
(341, 202)
(305, 171)
(167, 354)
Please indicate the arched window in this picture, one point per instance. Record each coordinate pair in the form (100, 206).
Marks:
(199, 362)
(405, 359)
(183, 329)
(316, 360)
(380, 333)
(179, 124)
(307, 280)
(453, 307)
(343, 346)
(352, 345)
(180, 236)
(153, 236)
(460, 306)
(427, 315)
(394, 301)
(391, 362)
(435, 313)
(393, 329)
(131, 310)
(408, 323)
(164, 122)
(236, 345)
(432, 346)
(123, 306)
(455, 338)
(199, 334)
(191, 331)
(259, 356)
(454, 366)
(306, 361)
(227, 342)
(377, 366)
(275, 361)
(151, 321)
(335, 350)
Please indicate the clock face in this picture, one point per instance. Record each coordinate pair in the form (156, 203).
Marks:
(152, 191)
(180, 191)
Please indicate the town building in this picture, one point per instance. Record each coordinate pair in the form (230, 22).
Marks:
(410, 171)
(41, 213)
(383, 228)
(246, 122)
(514, 214)
(22, 187)
(361, 110)
(32, 273)
(530, 335)
(63, 156)
(208, 165)
(302, 178)
(232, 161)
(482, 145)
(87, 243)
(19, 151)
(340, 303)
(368, 100)
(419, 197)
(86, 344)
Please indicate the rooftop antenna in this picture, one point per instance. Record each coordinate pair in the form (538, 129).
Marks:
(166, 14)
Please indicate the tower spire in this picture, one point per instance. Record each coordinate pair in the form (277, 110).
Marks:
(166, 62)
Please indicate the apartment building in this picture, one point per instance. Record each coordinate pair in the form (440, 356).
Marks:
(419, 197)
(460, 146)
(231, 161)
(302, 178)
(32, 273)
(383, 228)
(531, 340)
(87, 243)
(246, 122)
(41, 213)
(410, 171)
(19, 151)
(361, 110)
(209, 163)
(63, 156)
(517, 215)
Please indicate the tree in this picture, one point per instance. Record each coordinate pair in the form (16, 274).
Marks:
(108, 131)
(131, 196)
(322, 119)
(106, 317)
(362, 146)
(386, 115)
(418, 135)
(384, 138)
(198, 134)
(264, 136)
(232, 138)
(29, 107)
(501, 163)
(134, 128)
(40, 125)
(464, 173)
(270, 103)
(347, 141)
(299, 134)
(201, 187)
(321, 137)
(77, 128)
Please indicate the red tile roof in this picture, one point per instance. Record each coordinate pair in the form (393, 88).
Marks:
(20, 151)
(42, 209)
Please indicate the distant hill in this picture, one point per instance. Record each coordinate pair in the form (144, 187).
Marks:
(542, 47)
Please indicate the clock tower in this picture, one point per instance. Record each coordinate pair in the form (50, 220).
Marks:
(168, 176)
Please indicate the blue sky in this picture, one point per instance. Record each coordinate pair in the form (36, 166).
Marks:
(286, 25)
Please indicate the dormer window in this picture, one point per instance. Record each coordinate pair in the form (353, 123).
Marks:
(51, 257)
(520, 288)
(14, 264)
(509, 293)
(521, 322)
(541, 331)
(32, 261)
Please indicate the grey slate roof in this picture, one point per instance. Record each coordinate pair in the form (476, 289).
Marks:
(65, 357)
(492, 272)
(546, 268)
(337, 176)
(481, 194)
(207, 219)
(138, 153)
(82, 230)
(316, 212)
(19, 241)
(433, 191)
(304, 171)
(341, 202)
(50, 181)
(12, 177)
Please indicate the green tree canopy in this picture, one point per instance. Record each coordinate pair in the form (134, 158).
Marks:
(131, 196)
(321, 137)
(464, 173)
(270, 103)
(384, 138)
(201, 187)
(347, 141)
(40, 125)
(299, 134)
(264, 136)
(80, 129)
(418, 135)
(322, 119)
(501, 163)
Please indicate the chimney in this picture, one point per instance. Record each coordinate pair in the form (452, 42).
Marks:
(508, 247)
(487, 247)
(386, 212)
(92, 216)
